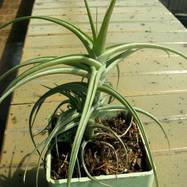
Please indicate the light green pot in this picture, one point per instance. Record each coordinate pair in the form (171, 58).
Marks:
(139, 179)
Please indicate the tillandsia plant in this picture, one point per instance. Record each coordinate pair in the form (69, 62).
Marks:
(85, 99)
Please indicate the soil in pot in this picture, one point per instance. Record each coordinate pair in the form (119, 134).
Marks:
(106, 155)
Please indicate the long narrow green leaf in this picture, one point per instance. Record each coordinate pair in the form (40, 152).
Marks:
(110, 108)
(115, 107)
(64, 102)
(123, 47)
(114, 61)
(99, 45)
(30, 155)
(118, 73)
(122, 100)
(87, 111)
(27, 63)
(90, 20)
(87, 42)
(60, 127)
(96, 21)
(63, 89)
(114, 134)
(32, 118)
(78, 98)
(154, 119)
(72, 60)
(24, 80)
(83, 146)
(74, 87)
(82, 124)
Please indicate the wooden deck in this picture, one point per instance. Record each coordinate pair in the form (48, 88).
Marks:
(150, 79)
(7, 12)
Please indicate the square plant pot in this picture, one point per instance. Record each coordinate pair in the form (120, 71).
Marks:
(138, 179)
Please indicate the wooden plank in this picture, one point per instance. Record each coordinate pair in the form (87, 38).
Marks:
(19, 145)
(129, 24)
(74, 12)
(149, 103)
(144, 60)
(102, 9)
(52, 29)
(174, 129)
(35, 52)
(63, 4)
(64, 39)
(119, 17)
(133, 85)
(172, 169)
(146, 54)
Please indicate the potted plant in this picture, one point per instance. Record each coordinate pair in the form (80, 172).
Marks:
(88, 135)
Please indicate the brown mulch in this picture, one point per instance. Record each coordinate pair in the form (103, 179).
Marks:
(105, 155)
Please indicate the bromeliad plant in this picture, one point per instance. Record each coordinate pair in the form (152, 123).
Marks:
(86, 98)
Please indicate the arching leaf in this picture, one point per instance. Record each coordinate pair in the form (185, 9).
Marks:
(87, 42)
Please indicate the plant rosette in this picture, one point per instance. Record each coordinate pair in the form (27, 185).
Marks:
(84, 100)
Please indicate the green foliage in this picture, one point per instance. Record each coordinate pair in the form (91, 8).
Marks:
(84, 99)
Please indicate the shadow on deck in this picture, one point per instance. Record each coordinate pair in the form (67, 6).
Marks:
(11, 56)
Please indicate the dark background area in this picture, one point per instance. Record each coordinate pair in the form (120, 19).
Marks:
(178, 8)
(11, 56)
(1, 2)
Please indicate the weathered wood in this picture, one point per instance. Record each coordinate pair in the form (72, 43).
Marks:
(7, 12)
(74, 12)
(63, 4)
(149, 103)
(63, 40)
(148, 84)
(44, 28)
(152, 56)
(149, 79)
